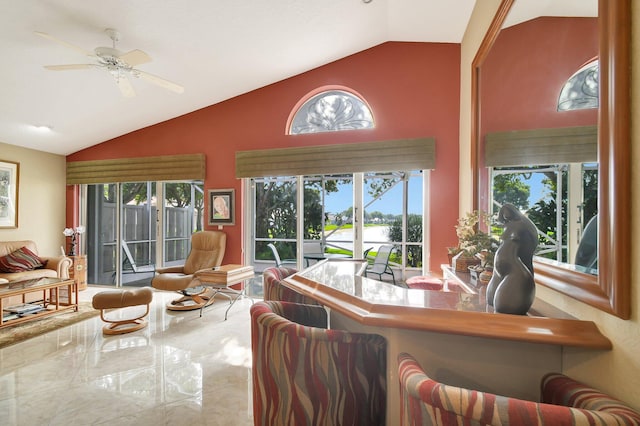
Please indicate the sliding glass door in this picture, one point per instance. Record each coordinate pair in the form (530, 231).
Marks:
(183, 214)
(102, 233)
(331, 196)
(126, 226)
(138, 234)
(394, 214)
(342, 214)
(275, 217)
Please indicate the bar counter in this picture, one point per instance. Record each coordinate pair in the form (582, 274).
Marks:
(453, 335)
(338, 285)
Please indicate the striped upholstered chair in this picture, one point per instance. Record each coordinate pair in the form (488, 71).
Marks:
(275, 290)
(304, 374)
(564, 402)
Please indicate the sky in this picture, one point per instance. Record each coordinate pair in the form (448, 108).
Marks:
(391, 202)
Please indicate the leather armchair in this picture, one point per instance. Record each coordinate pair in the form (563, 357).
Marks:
(207, 251)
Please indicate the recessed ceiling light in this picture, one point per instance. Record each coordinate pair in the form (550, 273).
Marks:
(42, 128)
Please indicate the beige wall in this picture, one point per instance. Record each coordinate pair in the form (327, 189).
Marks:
(616, 372)
(483, 13)
(41, 198)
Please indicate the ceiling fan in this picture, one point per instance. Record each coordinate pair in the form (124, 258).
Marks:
(119, 64)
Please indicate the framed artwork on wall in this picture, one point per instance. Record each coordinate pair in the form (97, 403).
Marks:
(222, 206)
(9, 181)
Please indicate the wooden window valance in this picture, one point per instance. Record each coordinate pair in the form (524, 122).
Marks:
(542, 146)
(142, 169)
(405, 154)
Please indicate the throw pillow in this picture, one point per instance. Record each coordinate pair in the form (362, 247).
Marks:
(21, 260)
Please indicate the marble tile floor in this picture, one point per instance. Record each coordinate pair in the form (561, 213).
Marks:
(180, 370)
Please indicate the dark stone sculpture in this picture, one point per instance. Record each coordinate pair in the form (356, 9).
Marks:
(512, 289)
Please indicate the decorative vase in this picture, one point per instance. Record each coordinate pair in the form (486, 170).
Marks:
(72, 246)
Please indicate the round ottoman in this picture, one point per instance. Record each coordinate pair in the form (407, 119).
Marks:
(424, 282)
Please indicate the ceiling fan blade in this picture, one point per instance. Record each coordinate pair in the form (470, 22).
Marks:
(135, 57)
(159, 81)
(69, 67)
(125, 87)
(64, 43)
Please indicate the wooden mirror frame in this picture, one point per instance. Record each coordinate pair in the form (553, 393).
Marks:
(610, 290)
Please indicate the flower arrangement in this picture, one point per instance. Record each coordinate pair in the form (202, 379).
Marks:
(473, 241)
(73, 233)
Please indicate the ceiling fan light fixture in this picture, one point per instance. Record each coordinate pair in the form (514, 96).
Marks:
(119, 64)
(113, 35)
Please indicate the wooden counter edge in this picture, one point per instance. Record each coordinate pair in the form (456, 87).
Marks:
(553, 331)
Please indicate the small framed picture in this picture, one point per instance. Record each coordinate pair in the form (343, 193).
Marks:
(222, 206)
(9, 181)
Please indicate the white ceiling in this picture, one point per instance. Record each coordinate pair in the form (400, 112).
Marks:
(216, 49)
(526, 10)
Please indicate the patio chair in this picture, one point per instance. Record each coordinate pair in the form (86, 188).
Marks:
(131, 262)
(280, 262)
(312, 248)
(365, 254)
(587, 254)
(380, 265)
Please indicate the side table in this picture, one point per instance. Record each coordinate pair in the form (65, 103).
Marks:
(222, 280)
(78, 271)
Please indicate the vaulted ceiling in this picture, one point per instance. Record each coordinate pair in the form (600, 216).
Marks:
(215, 49)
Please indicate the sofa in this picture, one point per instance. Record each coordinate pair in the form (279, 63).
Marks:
(18, 264)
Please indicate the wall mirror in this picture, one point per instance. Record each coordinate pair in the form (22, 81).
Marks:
(512, 127)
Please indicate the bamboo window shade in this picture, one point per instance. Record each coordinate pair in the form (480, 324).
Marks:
(542, 146)
(405, 154)
(142, 169)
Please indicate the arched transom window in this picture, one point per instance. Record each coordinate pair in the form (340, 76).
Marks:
(581, 90)
(331, 111)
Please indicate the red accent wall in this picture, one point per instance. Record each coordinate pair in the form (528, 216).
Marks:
(412, 88)
(524, 73)
(527, 68)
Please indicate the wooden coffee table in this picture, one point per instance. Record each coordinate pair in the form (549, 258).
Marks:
(55, 295)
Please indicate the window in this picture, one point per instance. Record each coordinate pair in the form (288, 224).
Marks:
(343, 220)
(128, 224)
(305, 196)
(538, 191)
(581, 90)
(331, 111)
